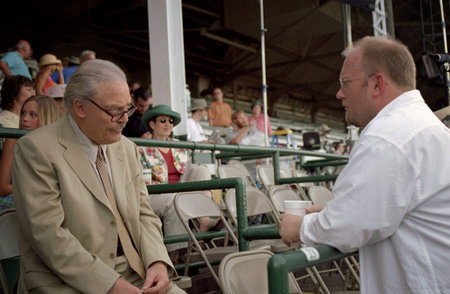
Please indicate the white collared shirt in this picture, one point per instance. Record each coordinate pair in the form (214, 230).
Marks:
(392, 201)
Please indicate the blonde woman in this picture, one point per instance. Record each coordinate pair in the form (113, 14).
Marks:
(37, 111)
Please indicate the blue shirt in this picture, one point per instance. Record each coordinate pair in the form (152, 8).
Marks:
(16, 64)
(67, 72)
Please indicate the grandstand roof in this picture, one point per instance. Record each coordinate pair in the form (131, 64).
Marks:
(303, 44)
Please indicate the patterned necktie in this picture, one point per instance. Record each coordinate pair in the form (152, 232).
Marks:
(124, 237)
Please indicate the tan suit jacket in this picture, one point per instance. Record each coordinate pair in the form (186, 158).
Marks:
(68, 232)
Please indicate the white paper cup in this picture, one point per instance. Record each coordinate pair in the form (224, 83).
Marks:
(296, 207)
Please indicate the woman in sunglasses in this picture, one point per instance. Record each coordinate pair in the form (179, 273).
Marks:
(163, 165)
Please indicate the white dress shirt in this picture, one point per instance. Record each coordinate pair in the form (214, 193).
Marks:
(195, 132)
(392, 201)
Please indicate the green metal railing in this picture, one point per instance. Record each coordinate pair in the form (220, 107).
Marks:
(281, 264)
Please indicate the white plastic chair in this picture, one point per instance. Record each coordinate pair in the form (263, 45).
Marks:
(246, 272)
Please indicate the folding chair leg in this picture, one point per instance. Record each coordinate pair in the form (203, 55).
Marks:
(320, 280)
(352, 271)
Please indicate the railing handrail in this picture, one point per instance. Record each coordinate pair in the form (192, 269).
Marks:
(281, 264)
(237, 148)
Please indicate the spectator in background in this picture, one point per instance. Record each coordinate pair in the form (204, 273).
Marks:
(134, 86)
(15, 90)
(220, 112)
(70, 65)
(48, 65)
(37, 111)
(163, 165)
(57, 93)
(134, 127)
(258, 117)
(195, 132)
(12, 63)
(244, 132)
(87, 55)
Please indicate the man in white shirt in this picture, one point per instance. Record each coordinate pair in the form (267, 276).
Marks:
(392, 200)
(195, 132)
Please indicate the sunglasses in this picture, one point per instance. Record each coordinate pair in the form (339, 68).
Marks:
(164, 120)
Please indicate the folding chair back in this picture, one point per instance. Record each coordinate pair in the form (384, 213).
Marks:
(192, 205)
(230, 171)
(320, 195)
(246, 272)
(265, 174)
(9, 250)
(257, 203)
(239, 164)
(278, 194)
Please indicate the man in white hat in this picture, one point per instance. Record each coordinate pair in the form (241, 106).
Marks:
(195, 130)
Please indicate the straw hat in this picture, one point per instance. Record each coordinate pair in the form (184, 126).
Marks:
(49, 59)
(160, 110)
(198, 104)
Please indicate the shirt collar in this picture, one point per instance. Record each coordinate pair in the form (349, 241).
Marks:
(89, 147)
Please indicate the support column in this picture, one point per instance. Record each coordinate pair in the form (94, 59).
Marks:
(165, 26)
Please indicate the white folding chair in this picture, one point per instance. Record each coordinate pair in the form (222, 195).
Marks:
(231, 171)
(259, 209)
(320, 195)
(266, 175)
(9, 250)
(187, 206)
(246, 272)
(279, 193)
(239, 164)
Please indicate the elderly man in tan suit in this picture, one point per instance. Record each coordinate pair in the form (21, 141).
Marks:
(85, 222)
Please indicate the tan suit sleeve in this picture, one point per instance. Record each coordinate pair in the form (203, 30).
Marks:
(42, 213)
(151, 245)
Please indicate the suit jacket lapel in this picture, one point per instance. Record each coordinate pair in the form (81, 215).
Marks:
(79, 162)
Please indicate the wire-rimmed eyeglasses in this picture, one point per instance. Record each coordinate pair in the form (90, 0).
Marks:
(343, 83)
(117, 116)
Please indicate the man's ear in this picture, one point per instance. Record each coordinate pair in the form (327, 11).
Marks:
(79, 108)
(379, 84)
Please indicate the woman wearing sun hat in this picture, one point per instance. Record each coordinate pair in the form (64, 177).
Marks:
(162, 165)
(48, 65)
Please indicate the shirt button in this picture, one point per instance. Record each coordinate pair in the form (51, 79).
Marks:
(113, 223)
(112, 255)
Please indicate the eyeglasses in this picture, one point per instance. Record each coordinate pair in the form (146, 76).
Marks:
(163, 120)
(117, 116)
(343, 83)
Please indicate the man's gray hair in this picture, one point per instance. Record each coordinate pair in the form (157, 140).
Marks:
(83, 84)
(86, 53)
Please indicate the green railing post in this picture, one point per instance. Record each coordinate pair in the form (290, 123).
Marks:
(278, 275)
(276, 167)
